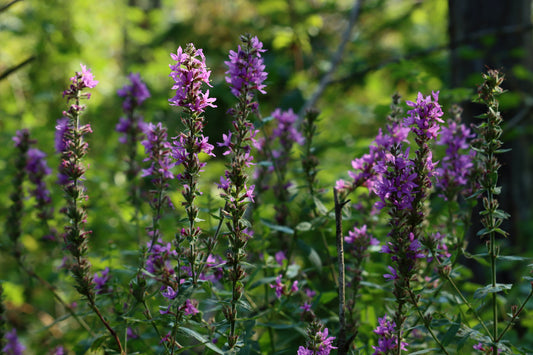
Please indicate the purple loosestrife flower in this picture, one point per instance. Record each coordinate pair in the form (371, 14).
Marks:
(135, 94)
(189, 307)
(280, 287)
(246, 70)
(457, 165)
(37, 171)
(159, 260)
(319, 342)
(72, 149)
(388, 340)
(245, 74)
(132, 128)
(101, 282)
(278, 152)
(359, 241)
(13, 345)
(425, 116)
(30, 162)
(364, 171)
(189, 74)
(159, 150)
(22, 142)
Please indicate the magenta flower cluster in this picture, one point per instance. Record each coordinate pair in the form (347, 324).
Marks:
(388, 340)
(246, 69)
(320, 344)
(134, 94)
(282, 289)
(132, 126)
(13, 345)
(425, 117)
(37, 170)
(456, 166)
(83, 79)
(189, 73)
(159, 154)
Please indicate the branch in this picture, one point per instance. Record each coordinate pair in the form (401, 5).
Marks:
(507, 30)
(8, 5)
(16, 67)
(335, 61)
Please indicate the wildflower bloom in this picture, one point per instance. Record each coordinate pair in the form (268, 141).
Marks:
(388, 340)
(457, 164)
(319, 342)
(72, 149)
(189, 307)
(13, 345)
(425, 115)
(101, 281)
(159, 260)
(278, 286)
(245, 74)
(31, 163)
(134, 94)
(246, 69)
(158, 149)
(277, 152)
(189, 73)
(360, 241)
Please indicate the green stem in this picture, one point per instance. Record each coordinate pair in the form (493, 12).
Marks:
(515, 316)
(426, 321)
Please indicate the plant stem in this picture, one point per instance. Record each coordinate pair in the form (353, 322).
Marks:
(341, 341)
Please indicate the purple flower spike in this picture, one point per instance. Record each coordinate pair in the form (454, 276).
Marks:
(189, 73)
(13, 345)
(388, 340)
(246, 69)
(319, 343)
(135, 93)
(425, 115)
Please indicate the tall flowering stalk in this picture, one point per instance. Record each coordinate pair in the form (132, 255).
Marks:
(72, 148)
(132, 127)
(22, 143)
(189, 74)
(245, 75)
(159, 155)
(403, 187)
(457, 177)
(492, 217)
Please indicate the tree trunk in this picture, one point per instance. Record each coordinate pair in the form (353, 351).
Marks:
(497, 34)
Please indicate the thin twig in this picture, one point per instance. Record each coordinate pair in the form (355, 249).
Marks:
(341, 342)
(335, 61)
(507, 30)
(8, 5)
(16, 67)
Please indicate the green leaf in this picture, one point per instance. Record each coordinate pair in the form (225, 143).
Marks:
(480, 258)
(320, 206)
(484, 291)
(425, 351)
(311, 254)
(452, 331)
(304, 226)
(292, 271)
(282, 229)
(326, 297)
(201, 339)
(512, 258)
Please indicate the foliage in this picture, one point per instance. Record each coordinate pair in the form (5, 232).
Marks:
(168, 242)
